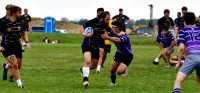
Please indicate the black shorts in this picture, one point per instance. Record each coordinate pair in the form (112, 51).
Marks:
(94, 52)
(107, 48)
(26, 27)
(12, 49)
(124, 58)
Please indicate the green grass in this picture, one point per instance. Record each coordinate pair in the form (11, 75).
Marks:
(54, 68)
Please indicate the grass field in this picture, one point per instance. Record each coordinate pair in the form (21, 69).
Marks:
(54, 68)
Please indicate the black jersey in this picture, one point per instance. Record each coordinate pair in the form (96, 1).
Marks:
(98, 29)
(25, 19)
(11, 31)
(121, 18)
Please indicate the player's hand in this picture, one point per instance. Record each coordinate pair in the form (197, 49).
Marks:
(30, 30)
(1, 49)
(87, 35)
(177, 66)
(28, 46)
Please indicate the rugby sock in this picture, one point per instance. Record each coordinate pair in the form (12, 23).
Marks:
(98, 67)
(86, 71)
(19, 82)
(113, 78)
(177, 90)
(156, 60)
(7, 66)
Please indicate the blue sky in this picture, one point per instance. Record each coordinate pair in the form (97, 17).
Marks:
(76, 9)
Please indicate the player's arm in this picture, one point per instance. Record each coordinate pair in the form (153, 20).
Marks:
(112, 39)
(25, 38)
(156, 30)
(181, 42)
(127, 19)
(159, 45)
(1, 30)
(172, 44)
(180, 52)
(30, 24)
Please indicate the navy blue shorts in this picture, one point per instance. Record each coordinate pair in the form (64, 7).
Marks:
(123, 58)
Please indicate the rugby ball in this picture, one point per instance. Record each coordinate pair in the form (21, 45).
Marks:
(89, 31)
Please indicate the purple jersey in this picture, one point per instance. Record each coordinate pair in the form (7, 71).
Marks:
(190, 36)
(125, 46)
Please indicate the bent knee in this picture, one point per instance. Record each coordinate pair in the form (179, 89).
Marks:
(120, 72)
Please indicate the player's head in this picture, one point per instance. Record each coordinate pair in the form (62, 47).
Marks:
(184, 10)
(189, 18)
(120, 11)
(104, 17)
(165, 29)
(15, 11)
(178, 14)
(99, 11)
(166, 13)
(117, 27)
(25, 11)
(8, 9)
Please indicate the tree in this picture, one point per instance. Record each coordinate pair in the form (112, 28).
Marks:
(64, 19)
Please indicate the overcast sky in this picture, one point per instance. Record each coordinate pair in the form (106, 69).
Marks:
(76, 9)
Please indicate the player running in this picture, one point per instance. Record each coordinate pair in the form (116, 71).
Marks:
(124, 53)
(12, 30)
(189, 36)
(167, 46)
(91, 45)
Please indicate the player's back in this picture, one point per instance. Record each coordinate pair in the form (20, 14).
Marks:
(191, 37)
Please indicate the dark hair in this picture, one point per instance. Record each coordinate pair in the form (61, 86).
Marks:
(118, 24)
(8, 6)
(165, 27)
(100, 9)
(179, 13)
(166, 11)
(189, 18)
(103, 15)
(14, 9)
(184, 8)
(120, 9)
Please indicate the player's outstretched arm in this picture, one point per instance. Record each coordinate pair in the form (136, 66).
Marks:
(159, 45)
(180, 54)
(112, 39)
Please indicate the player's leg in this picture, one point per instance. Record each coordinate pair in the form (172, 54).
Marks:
(179, 79)
(101, 52)
(106, 50)
(156, 61)
(186, 69)
(113, 70)
(86, 68)
(197, 78)
(15, 72)
(95, 58)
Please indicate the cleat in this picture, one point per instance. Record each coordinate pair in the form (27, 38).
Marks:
(167, 65)
(4, 71)
(11, 79)
(85, 82)
(21, 86)
(97, 71)
(155, 63)
(125, 74)
(112, 84)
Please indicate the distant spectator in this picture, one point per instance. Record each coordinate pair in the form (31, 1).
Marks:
(58, 40)
(45, 40)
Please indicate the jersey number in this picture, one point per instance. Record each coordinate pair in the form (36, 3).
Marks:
(194, 36)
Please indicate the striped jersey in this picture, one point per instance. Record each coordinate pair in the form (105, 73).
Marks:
(190, 36)
(125, 46)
